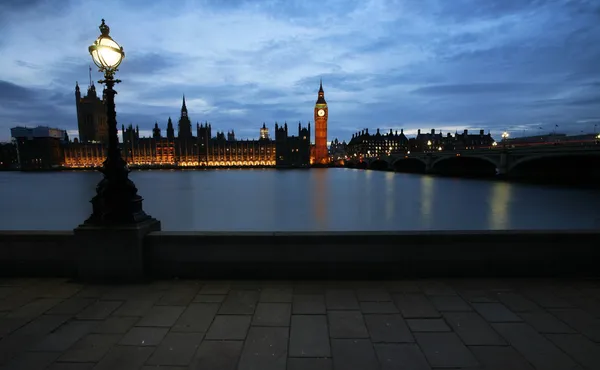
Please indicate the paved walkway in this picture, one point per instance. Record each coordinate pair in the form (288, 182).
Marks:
(214, 325)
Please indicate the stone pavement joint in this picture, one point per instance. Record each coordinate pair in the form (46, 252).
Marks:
(544, 324)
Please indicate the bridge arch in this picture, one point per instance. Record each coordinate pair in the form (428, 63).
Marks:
(379, 164)
(577, 167)
(465, 166)
(410, 165)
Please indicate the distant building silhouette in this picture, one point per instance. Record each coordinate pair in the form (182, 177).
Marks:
(364, 144)
(292, 151)
(38, 148)
(91, 115)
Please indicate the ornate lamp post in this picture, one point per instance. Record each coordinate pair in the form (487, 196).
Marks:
(116, 200)
(504, 137)
(429, 144)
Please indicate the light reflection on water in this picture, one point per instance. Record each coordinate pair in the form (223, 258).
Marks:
(298, 200)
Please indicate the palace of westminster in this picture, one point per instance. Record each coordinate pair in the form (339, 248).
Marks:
(42, 148)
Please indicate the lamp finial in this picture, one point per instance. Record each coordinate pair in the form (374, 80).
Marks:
(104, 29)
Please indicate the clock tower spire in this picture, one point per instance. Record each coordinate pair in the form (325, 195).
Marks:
(321, 116)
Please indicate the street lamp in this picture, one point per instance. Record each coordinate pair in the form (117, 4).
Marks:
(116, 201)
(429, 144)
(504, 137)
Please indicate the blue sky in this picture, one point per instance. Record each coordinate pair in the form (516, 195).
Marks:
(445, 64)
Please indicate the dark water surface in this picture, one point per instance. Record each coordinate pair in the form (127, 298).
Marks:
(317, 199)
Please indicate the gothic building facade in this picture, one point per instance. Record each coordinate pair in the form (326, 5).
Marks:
(202, 150)
(91, 116)
(321, 115)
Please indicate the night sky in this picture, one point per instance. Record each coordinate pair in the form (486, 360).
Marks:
(518, 65)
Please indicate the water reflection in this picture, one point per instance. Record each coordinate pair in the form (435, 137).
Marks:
(327, 199)
(390, 200)
(499, 205)
(426, 200)
(319, 198)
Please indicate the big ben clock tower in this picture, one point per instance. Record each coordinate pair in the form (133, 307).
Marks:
(321, 115)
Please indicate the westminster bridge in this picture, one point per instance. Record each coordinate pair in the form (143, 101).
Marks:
(536, 161)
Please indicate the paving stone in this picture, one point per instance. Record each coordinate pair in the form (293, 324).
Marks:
(71, 306)
(309, 288)
(246, 285)
(124, 358)
(176, 349)
(353, 354)
(239, 302)
(496, 312)
(378, 307)
(581, 321)
(28, 335)
(8, 325)
(71, 366)
(31, 361)
(584, 351)
(500, 358)
(309, 336)
(309, 304)
(91, 348)
(472, 329)
(401, 357)
(517, 302)
(434, 287)
(272, 314)
(179, 296)
(196, 318)
(64, 337)
(217, 355)
(546, 298)
(544, 322)
(115, 325)
(427, 325)
(415, 306)
(341, 299)
(445, 350)
(347, 324)
(373, 295)
(448, 303)
(479, 296)
(143, 336)
(161, 316)
(34, 308)
(265, 349)
(229, 327)
(536, 349)
(122, 293)
(134, 307)
(215, 288)
(403, 286)
(388, 329)
(277, 295)
(209, 298)
(309, 364)
(99, 310)
(159, 367)
(93, 291)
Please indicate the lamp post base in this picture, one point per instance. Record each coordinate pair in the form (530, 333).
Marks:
(113, 253)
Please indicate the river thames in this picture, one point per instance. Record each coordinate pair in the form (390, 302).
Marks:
(302, 200)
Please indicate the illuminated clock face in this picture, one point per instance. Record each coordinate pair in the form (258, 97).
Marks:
(321, 112)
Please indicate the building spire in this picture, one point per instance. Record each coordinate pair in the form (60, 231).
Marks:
(91, 83)
(321, 85)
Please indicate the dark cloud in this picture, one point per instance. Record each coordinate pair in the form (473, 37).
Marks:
(10, 93)
(476, 88)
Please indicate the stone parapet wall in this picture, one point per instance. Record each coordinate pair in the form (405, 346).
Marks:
(353, 255)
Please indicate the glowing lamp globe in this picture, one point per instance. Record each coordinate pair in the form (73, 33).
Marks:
(106, 53)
